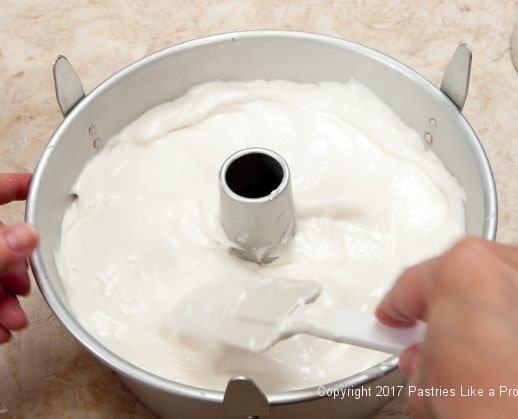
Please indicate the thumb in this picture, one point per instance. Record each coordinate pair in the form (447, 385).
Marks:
(16, 243)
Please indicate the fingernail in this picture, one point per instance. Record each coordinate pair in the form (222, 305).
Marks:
(20, 238)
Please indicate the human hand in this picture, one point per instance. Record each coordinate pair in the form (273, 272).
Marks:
(16, 243)
(469, 298)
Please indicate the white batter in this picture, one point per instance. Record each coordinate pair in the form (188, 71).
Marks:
(144, 232)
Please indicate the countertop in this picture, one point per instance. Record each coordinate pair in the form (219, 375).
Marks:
(44, 373)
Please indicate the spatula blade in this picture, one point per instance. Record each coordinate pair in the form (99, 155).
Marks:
(242, 312)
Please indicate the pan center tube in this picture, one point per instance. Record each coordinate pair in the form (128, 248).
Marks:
(256, 204)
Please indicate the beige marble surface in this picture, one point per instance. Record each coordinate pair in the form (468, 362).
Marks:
(43, 372)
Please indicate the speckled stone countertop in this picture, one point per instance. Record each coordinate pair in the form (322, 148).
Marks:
(44, 373)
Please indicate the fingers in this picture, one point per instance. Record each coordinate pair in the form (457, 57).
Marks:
(5, 335)
(16, 243)
(407, 301)
(410, 297)
(14, 187)
(12, 316)
(16, 280)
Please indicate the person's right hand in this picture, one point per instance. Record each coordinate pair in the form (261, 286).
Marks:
(16, 243)
(469, 298)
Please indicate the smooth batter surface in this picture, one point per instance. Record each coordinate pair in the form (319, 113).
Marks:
(144, 232)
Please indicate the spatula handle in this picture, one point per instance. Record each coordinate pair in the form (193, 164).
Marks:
(357, 328)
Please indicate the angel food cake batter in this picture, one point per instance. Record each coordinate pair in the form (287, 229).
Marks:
(144, 231)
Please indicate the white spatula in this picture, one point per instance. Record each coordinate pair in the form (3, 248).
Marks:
(254, 314)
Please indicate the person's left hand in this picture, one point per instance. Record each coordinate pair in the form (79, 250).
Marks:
(17, 242)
